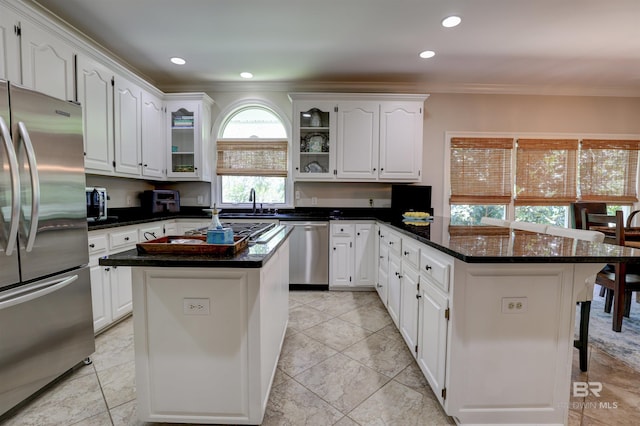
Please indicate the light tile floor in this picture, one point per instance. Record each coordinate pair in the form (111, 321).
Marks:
(343, 363)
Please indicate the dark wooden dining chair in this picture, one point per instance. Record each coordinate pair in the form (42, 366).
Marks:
(621, 279)
(592, 207)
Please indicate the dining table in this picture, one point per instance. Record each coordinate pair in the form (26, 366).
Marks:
(631, 239)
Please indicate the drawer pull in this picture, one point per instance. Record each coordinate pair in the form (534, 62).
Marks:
(107, 269)
(390, 243)
(379, 285)
(427, 267)
(406, 253)
(92, 245)
(418, 296)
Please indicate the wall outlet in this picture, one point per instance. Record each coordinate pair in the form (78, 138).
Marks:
(200, 200)
(297, 195)
(370, 202)
(129, 201)
(314, 201)
(514, 305)
(196, 306)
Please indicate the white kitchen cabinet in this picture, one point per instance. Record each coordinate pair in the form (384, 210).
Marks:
(95, 93)
(110, 286)
(47, 61)
(100, 297)
(170, 227)
(393, 291)
(382, 284)
(153, 136)
(432, 341)
(373, 137)
(314, 140)
(184, 225)
(409, 293)
(150, 231)
(128, 127)
(401, 128)
(9, 46)
(352, 262)
(188, 136)
(358, 136)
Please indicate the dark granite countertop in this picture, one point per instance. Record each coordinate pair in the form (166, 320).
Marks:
(471, 244)
(255, 256)
(490, 244)
(134, 216)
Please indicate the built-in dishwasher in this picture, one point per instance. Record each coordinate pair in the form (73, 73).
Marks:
(308, 255)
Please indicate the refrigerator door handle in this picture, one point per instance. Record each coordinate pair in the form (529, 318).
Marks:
(15, 187)
(35, 292)
(35, 185)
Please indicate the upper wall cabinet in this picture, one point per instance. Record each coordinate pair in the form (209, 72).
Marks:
(127, 127)
(367, 137)
(95, 94)
(47, 62)
(314, 143)
(188, 136)
(401, 125)
(153, 136)
(9, 46)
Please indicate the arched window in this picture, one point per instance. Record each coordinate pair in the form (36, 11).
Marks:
(252, 153)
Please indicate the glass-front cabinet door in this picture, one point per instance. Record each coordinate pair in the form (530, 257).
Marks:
(183, 134)
(314, 140)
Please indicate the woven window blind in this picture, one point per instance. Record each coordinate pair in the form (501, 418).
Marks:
(481, 170)
(608, 170)
(242, 157)
(546, 172)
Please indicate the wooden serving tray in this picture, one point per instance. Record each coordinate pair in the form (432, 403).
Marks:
(164, 245)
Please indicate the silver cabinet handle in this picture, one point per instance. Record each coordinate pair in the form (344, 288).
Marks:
(15, 187)
(35, 185)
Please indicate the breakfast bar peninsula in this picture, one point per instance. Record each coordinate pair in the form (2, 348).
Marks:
(208, 331)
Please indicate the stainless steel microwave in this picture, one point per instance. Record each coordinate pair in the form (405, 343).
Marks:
(96, 203)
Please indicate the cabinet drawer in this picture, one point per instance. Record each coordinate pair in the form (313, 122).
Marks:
(342, 230)
(410, 253)
(123, 239)
(97, 244)
(150, 233)
(394, 242)
(435, 267)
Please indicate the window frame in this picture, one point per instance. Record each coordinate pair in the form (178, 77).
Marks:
(223, 118)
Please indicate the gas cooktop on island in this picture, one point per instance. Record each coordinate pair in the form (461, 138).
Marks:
(256, 232)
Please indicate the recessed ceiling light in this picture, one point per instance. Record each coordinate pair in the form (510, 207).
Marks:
(178, 61)
(451, 21)
(246, 75)
(427, 54)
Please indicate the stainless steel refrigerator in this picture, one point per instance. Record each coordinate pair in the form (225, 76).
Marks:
(46, 321)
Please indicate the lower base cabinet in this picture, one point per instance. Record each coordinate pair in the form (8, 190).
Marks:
(432, 336)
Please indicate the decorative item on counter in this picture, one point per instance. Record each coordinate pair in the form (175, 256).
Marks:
(216, 234)
(416, 218)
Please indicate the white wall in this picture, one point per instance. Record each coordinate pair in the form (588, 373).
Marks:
(517, 113)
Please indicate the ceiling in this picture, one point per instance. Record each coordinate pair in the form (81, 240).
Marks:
(502, 46)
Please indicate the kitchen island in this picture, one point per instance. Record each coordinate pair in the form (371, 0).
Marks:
(208, 331)
(495, 313)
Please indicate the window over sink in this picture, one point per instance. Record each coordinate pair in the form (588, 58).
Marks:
(253, 153)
